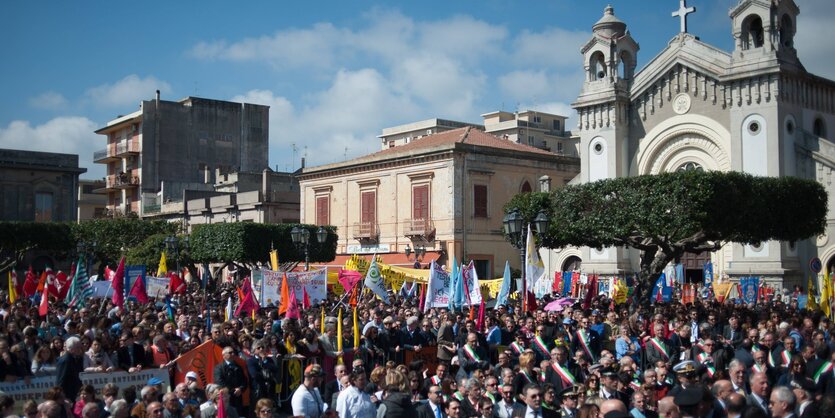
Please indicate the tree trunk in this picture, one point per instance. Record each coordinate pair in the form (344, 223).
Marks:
(653, 263)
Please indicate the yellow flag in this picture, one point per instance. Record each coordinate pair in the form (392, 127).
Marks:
(826, 293)
(356, 329)
(322, 322)
(339, 336)
(274, 259)
(163, 267)
(13, 292)
(811, 300)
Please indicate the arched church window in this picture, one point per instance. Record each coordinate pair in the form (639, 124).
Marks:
(624, 71)
(755, 32)
(597, 66)
(526, 187)
(786, 31)
(691, 166)
(819, 128)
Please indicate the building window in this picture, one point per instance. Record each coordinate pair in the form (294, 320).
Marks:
(420, 202)
(482, 268)
(526, 187)
(559, 148)
(530, 140)
(480, 201)
(537, 119)
(323, 210)
(368, 207)
(557, 125)
(819, 128)
(43, 207)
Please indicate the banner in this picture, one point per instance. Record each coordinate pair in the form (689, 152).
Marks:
(38, 386)
(750, 287)
(102, 289)
(202, 360)
(722, 290)
(131, 273)
(157, 287)
(471, 283)
(439, 287)
(314, 282)
(708, 269)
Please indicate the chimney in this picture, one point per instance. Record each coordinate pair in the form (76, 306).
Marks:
(157, 96)
(302, 163)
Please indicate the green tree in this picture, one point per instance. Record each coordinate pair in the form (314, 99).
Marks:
(149, 251)
(244, 244)
(114, 237)
(666, 215)
(18, 238)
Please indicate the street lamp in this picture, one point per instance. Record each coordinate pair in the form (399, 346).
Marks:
(515, 229)
(419, 251)
(301, 239)
(172, 246)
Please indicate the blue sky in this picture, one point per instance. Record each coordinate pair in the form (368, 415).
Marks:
(335, 73)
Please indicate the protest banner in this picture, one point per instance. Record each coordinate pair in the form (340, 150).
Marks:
(314, 282)
(156, 287)
(439, 287)
(131, 273)
(201, 360)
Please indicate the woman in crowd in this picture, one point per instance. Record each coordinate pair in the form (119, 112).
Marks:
(43, 363)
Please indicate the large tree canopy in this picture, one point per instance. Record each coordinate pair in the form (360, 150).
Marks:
(18, 238)
(669, 214)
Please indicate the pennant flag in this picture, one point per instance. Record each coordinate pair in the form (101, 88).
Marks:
(750, 289)
(285, 296)
(293, 306)
(534, 268)
(339, 335)
(348, 279)
(80, 289)
(480, 323)
(187, 275)
(504, 291)
(356, 330)
(30, 286)
(227, 313)
(138, 291)
(248, 305)
(374, 281)
(43, 308)
(322, 322)
(201, 360)
(812, 302)
(453, 289)
(274, 260)
(12, 290)
(305, 299)
(708, 269)
(168, 309)
(118, 284)
(163, 266)
(204, 278)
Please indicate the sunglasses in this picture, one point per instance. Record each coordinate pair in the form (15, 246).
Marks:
(266, 411)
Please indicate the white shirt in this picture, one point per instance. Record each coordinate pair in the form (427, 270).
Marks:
(308, 403)
(354, 403)
(530, 413)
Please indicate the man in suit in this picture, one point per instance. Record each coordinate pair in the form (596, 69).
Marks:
(806, 405)
(609, 380)
(532, 395)
(733, 333)
(69, 366)
(736, 371)
(586, 340)
(334, 386)
(433, 408)
(504, 408)
(471, 356)
(568, 402)
(230, 375)
(759, 392)
(130, 355)
(411, 339)
(659, 348)
(471, 404)
(561, 373)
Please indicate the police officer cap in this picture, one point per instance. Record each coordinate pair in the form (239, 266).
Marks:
(688, 397)
(686, 367)
(569, 392)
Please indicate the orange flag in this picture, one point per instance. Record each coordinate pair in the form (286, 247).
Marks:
(285, 296)
(202, 360)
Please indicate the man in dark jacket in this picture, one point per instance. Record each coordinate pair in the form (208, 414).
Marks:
(69, 366)
(231, 376)
(130, 355)
(263, 372)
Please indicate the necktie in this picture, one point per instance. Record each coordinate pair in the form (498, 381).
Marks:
(437, 412)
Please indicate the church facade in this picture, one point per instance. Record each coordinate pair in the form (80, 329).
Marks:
(696, 107)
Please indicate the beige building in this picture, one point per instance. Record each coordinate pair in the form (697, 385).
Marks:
(38, 186)
(91, 203)
(443, 193)
(534, 128)
(403, 134)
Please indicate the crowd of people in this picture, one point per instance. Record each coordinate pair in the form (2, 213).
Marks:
(588, 360)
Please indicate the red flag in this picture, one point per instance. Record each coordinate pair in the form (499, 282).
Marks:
(63, 283)
(30, 286)
(285, 296)
(44, 306)
(558, 285)
(248, 304)
(531, 306)
(221, 408)
(138, 291)
(293, 306)
(176, 284)
(480, 324)
(353, 299)
(422, 299)
(44, 276)
(202, 360)
(348, 279)
(108, 273)
(118, 284)
(305, 299)
(52, 284)
(591, 291)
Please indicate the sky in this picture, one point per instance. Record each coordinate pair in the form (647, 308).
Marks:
(334, 73)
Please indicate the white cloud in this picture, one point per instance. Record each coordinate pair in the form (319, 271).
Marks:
(66, 134)
(447, 88)
(523, 84)
(48, 100)
(128, 91)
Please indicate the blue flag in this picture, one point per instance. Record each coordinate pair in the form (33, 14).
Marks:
(459, 287)
(566, 283)
(708, 274)
(204, 278)
(501, 299)
(453, 288)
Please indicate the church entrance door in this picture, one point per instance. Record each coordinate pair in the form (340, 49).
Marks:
(694, 266)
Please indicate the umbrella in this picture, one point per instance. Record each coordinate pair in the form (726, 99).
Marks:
(559, 304)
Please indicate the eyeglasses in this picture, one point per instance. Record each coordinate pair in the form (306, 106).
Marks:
(266, 411)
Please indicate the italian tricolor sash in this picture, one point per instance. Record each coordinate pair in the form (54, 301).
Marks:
(517, 348)
(471, 353)
(787, 357)
(584, 341)
(458, 395)
(435, 380)
(823, 370)
(564, 374)
(660, 347)
(710, 369)
(701, 357)
(635, 385)
(528, 378)
(755, 348)
(492, 397)
(758, 369)
(771, 361)
(542, 377)
(540, 344)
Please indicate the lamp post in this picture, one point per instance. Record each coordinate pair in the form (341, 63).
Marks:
(301, 239)
(172, 245)
(516, 230)
(419, 251)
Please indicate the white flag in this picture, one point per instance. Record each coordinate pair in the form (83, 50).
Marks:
(534, 269)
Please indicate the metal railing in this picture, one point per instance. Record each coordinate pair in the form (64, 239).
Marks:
(419, 226)
(365, 230)
(122, 181)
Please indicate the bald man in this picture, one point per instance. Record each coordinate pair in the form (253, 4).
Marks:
(667, 408)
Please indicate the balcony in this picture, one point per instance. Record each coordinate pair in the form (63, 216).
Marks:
(123, 149)
(115, 152)
(121, 181)
(419, 228)
(365, 231)
(103, 157)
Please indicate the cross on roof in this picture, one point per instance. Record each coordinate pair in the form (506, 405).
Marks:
(682, 13)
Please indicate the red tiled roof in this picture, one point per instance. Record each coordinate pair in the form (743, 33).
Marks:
(466, 135)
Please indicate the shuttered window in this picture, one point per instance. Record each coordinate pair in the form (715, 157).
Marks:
(420, 202)
(323, 210)
(479, 201)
